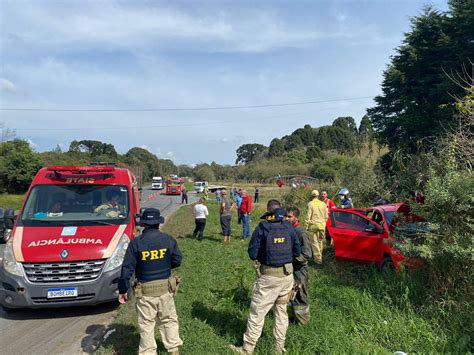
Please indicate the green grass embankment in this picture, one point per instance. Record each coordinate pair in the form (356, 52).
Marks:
(11, 201)
(354, 309)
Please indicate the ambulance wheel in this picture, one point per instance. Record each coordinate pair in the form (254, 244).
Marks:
(387, 265)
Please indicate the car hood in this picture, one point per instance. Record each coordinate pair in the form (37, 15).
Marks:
(59, 244)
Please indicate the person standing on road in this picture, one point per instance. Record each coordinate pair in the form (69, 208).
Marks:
(184, 195)
(316, 219)
(151, 257)
(226, 215)
(200, 214)
(206, 192)
(300, 303)
(273, 246)
(257, 195)
(246, 209)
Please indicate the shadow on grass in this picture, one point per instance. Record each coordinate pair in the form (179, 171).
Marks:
(125, 340)
(225, 323)
(190, 236)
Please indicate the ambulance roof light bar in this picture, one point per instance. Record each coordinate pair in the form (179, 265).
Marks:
(82, 169)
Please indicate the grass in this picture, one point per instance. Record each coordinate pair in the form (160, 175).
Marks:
(11, 201)
(354, 309)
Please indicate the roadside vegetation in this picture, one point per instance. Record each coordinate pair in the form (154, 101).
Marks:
(11, 201)
(354, 308)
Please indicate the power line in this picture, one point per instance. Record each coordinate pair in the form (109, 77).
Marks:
(183, 109)
(212, 123)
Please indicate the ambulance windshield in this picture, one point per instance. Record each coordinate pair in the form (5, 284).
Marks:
(77, 204)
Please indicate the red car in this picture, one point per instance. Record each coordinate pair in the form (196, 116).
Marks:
(366, 235)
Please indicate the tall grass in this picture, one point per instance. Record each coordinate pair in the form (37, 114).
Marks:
(354, 309)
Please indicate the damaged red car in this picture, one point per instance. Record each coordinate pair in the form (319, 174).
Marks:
(366, 235)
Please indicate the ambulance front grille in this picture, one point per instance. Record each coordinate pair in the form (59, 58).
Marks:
(74, 271)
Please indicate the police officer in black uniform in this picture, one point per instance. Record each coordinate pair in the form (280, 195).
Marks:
(273, 246)
(151, 256)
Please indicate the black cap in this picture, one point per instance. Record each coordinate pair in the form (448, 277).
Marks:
(151, 217)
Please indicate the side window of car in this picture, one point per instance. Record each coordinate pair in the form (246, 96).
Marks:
(347, 220)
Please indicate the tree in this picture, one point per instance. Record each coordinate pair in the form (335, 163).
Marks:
(248, 152)
(18, 165)
(313, 152)
(94, 148)
(276, 148)
(417, 100)
(293, 142)
(366, 130)
(203, 172)
(346, 123)
(305, 134)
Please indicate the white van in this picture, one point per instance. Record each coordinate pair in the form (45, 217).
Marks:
(157, 183)
(199, 186)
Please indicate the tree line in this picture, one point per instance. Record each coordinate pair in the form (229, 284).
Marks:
(19, 162)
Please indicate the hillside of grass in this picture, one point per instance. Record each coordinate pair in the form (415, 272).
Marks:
(354, 309)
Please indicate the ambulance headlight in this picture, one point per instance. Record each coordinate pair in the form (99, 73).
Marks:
(116, 259)
(9, 262)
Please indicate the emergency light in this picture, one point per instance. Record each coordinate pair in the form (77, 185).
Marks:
(82, 169)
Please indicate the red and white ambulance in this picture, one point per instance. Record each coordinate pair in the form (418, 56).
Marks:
(70, 237)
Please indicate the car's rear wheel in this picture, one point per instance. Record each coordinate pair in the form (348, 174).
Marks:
(387, 265)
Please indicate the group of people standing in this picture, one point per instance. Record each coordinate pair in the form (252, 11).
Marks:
(280, 248)
(239, 200)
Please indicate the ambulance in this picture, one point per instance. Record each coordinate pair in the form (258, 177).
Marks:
(70, 237)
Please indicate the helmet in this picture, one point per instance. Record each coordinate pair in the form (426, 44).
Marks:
(344, 191)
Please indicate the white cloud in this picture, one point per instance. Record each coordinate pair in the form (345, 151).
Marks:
(32, 144)
(7, 85)
(108, 25)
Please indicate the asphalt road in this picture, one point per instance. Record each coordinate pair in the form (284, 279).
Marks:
(74, 330)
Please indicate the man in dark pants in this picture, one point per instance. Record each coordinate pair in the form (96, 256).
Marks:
(257, 195)
(273, 246)
(300, 303)
(200, 214)
(184, 195)
(151, 257)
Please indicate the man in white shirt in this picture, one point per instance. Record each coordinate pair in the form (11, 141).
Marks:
(200, 214)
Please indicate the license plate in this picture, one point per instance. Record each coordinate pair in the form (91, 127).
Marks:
(62, 292)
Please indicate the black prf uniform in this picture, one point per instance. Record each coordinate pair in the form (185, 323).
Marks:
(151, 256)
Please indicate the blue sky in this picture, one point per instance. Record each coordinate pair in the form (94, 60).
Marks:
(191, 54)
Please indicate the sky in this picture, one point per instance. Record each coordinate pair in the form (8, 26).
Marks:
(164, 75)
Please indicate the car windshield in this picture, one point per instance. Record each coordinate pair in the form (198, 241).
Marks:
(77, 204)
(198, 184)
(156, 180)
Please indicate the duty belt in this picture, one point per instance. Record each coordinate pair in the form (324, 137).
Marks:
(279, 271)
(155, 288)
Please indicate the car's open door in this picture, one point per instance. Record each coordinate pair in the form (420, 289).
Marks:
(355, 236)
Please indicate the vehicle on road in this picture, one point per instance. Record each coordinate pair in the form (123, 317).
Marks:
(157, 183)
(70, 237)
(367, 235)
(199, 186)
(173, 186)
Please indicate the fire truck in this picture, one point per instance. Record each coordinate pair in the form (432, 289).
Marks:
(69, 239)
(173, 186)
